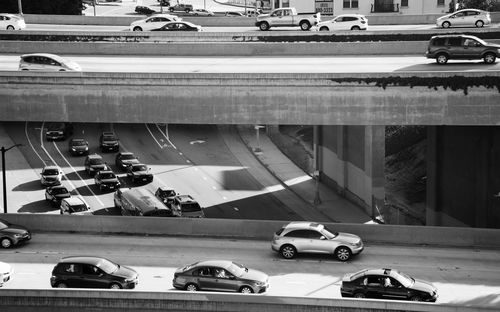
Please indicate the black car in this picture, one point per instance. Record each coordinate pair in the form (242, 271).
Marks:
(166, 195)
(181, 7)
(109, 142)
(94, 163)
(56, 193)
(144, 10)
(106, 180)
(92, 272)
(139, 173)
(58, 131)
(78, 147)
(11, 234)
(178, 26)
(125, 159)
(387, 284)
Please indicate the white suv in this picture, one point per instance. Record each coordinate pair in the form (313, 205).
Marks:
(344, 22)
(153, 22)
(74, 206)
(310, 237)
(51, 175)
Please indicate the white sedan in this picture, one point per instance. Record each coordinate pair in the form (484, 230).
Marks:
(11, 22)
(343, 22)
(153, 22)
(5, 273)
(201, 12)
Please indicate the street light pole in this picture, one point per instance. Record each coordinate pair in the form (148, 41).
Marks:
(20, 6)
(4, 150)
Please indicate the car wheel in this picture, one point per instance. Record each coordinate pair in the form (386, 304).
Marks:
(6, 242)
(115, 286)
(305, 25)
(10, 27)
(415, 298)
(187, 11)
(137, 28)
(343, 253)
(446, 25)
(61, 285)
(171, 9)
(191, 287)
(246, 290)
(442, 59)
(264, 26)
(288, 251)
(324, 28)
(479, 24)
(489, 58)
(359, 295)
(355, 28)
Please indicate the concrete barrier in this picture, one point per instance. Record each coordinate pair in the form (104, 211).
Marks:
(252, 229)
(14, 300)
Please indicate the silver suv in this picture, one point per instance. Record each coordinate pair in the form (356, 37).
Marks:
(309, 237)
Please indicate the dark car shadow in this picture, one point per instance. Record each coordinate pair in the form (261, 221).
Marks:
(73, 176)
(110, 211)
(38, 207)
(28, 186)
(458, 66)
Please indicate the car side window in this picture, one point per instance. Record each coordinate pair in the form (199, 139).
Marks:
(207, 272)
(471, 43)
(297, 234)
(455, 42)
(69, 268)
(89, 269)
(373, 281)
(221, 273)
(313, 234)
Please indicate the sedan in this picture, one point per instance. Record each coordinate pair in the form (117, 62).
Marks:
(106, 180)
(56, 193)
(11, 22)
(465, 18)
(78, 147)
(201, 12)
(11, 234)
(153, 22)
(387, 284)
(47, 62)
(220, 275)
(5, 273)
(179, 26)
(139, 173)
(343, 22)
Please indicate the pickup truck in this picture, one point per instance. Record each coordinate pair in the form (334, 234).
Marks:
(287, 17)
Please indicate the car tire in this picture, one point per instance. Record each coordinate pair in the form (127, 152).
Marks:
(246, 290)
(324, 28)
(479, 24)
(446, 25)
(61, 285)
(288, 251)
(489, 58)
(343, 253)
(115, 286)
(264, 26)
(355, 28)
(441, 58)
(137, 28)
(416, 298)
(191, 287)
(359, 295)
(171, 9)
(187, 11)
(6, 242)
(304, 25)
(10, 27)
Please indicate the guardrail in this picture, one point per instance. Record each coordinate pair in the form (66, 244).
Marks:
(253, 229)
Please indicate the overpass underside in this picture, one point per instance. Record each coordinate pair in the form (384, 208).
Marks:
(352, 111)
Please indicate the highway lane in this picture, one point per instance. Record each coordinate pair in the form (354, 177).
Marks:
(238, 64)
(462, 276)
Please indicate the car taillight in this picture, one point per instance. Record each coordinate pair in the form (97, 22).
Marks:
(363, 22)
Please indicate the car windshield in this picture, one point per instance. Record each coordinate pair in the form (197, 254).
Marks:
(78, 143)
(109, 138)
(60, 190)
(107, 175)
(79, 208)
(167, 193)
(188, 267)
(405, 279)
(4, 224)
(127, 157)
(329, 233)
(96, 161)
(192, 207)
(108, 266)
(51, 172)
(139, 168)
(236, 269)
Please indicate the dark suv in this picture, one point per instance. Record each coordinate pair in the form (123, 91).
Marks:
(125, 159)
(58, 131)
(94, 163)
(109, 142)
(464, 47)
(181, 7)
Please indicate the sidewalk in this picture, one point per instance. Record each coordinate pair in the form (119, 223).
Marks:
(296, 180)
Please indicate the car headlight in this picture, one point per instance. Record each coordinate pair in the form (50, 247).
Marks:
(73, 149)
(18, 235)
(86, 148)
(260, 284)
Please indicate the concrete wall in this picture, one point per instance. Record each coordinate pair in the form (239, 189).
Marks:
(252, 229)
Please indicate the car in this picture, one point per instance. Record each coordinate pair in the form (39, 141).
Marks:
(78, 146)
(233, 13)
(387, 284)
(179, 26)
(220, 275)
(464, 47)
(166, 195)
(46, 62)
(311, 237)
(51, 175)
(56, 193)
(12, 234)
(125, 159)
(108, 142)
(181, 7)
(140, 202)
(58, 131)
(92, 272)
(201, 12)
(466, 17)
(11, 22)
(94, 163)
(139, 173)
(187, 207)
(153, 22)
(164, 3)
(343, 22)
(141, 9)
(106, 180)
(6, 273)
(74, 206)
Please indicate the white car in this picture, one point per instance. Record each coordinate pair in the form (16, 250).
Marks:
(74, 206)
(344, 22)
(153, 22)
(47, 62)
(201, 12)
(465, 18)
(11, 22)
(6, 273)
(51, 175)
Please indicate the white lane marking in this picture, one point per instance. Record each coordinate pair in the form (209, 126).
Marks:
(29, 142)
(151, 133)
(79, 176)
(165, 135)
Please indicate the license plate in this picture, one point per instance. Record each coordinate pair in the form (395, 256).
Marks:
(144, 179)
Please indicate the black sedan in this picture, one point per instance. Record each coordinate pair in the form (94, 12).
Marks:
(387, 284)
(107, 181)
(179, 26)
(56, 193)
(92, 272)
(11, 234)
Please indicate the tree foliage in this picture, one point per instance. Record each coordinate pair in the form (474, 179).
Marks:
(487, 5)
(58, 7)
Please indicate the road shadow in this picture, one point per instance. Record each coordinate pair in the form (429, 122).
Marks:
(39, 206)
(34, 185)
(110, 211)
(73, 176)
(459, 66)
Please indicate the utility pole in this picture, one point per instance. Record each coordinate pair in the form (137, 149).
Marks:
(20, 6)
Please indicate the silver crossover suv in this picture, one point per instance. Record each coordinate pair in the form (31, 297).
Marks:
(309, 237)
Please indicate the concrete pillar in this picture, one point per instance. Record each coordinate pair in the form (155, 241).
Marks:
(375, 167)
(432, 182)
